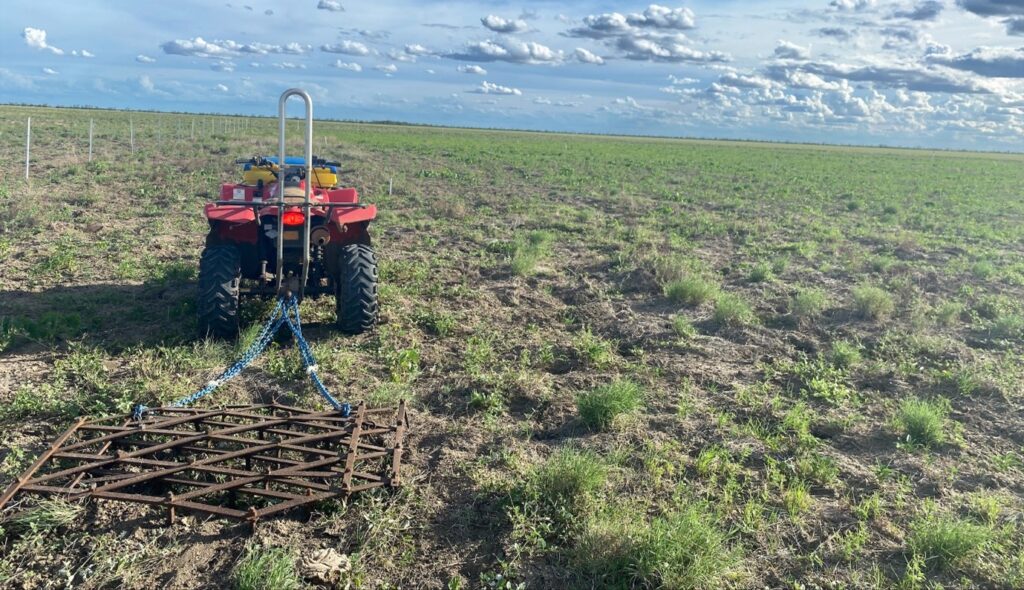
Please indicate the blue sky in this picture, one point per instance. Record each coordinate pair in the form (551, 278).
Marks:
(924, 73)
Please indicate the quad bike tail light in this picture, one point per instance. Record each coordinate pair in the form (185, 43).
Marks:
(293, 217)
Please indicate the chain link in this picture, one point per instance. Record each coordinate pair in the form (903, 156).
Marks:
(281, 315)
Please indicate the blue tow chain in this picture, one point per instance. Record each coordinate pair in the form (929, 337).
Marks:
(285, 313)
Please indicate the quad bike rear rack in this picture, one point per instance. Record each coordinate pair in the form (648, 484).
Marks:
(240, 462)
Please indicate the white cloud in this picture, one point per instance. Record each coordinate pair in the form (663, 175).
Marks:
(489, 88)
(350, 66)
(807, 80)
(265, 48)
(331, 5)
(787, 50)
(287, 65)
(555, 103)
(587, 57)
(666, 49)
(146, 84)
(602, 26)
(346, 47)
(662, 17)
(509, 50)
(682, 81)
(387, 69)
(50, 71)
(853, 5)
(504, 25)
(417, 49)
(144, 59)
(745, 81)
(199, 47)
(654, 18)
(395, 55)
(223, 66)
(294, 48)
(680, 91)
(221, 88)
(36, 38)
(472, 69)
(654, 35)
(83, 53)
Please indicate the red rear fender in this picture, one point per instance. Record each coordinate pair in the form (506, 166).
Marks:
(343, 195)
(348, 216)
(229, 213)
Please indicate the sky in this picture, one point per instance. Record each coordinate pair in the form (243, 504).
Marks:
(916, 73)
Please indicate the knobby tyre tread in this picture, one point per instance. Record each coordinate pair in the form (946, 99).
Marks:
(356, 289)
(217, 300)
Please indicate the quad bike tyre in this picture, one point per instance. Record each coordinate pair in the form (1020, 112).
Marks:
(356, 288)
(217, 303)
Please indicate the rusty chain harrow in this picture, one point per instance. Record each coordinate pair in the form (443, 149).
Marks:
(241, 462)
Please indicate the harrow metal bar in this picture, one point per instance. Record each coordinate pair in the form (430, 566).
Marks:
(269, 457)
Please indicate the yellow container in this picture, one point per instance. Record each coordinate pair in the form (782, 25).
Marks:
(257, 173)
(322, 177)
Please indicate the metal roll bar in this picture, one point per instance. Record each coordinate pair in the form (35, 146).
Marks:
(281, 104)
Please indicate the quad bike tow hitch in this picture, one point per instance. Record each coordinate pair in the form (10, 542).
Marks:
(245, 462)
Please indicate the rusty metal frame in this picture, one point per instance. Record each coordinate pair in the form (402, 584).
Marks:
(240, 462)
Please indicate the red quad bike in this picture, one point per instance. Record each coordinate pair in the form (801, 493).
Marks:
(287, 229)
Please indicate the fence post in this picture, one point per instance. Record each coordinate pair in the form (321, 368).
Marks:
(90, 140)
(192, 134)
(131, 134)
(28, 144)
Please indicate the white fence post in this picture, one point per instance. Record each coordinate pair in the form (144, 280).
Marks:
(28, 144)
(192, 134)
(90, 140)
(131, 134)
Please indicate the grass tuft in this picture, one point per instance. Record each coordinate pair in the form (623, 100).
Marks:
(600, 407)
(944, 540)
(683, 327)
(685, 548)
(47, 516)
(733, 310)
(692, 290)
(528, 251)
(761, 272)
(845, 354)
(271, 568)
(873, 303)
(569, 476)
(556, 496)
(594, 350)
(922, 422)
(808, 303)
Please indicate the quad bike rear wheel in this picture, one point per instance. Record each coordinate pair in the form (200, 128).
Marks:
(217, 302)
(356, 288)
